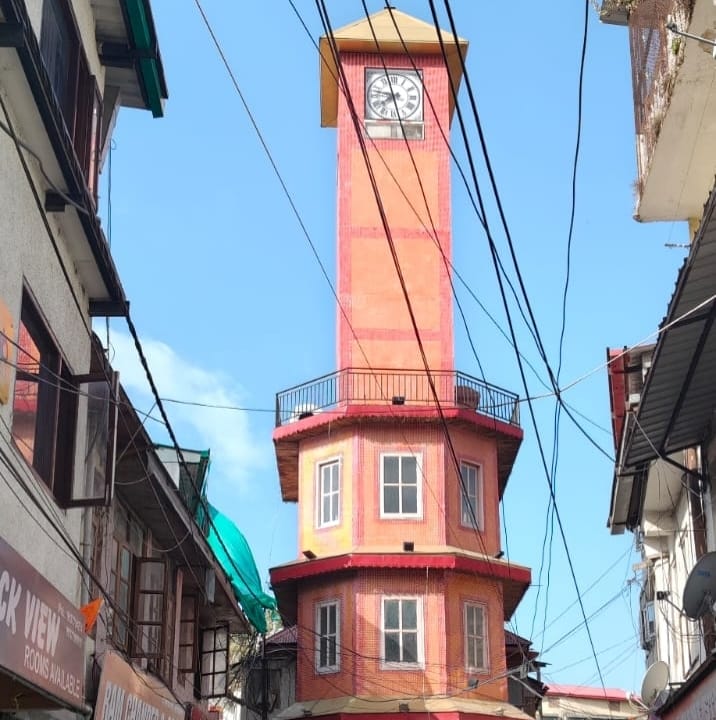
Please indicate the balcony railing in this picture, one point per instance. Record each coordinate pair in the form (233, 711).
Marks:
(410, 388)
(656, 54)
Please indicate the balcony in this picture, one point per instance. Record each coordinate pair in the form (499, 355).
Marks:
(409, 388)
(674, 106)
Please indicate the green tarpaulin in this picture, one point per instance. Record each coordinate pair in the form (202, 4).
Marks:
(235, 557)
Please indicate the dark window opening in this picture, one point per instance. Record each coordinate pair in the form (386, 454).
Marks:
(49, 405)
(43, 404)
(75, 89)
(214, 662)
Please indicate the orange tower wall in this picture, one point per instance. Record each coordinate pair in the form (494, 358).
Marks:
(378, 332)
(361, 526)
(361, 672)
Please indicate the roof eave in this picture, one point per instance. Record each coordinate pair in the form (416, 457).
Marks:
(149, 69)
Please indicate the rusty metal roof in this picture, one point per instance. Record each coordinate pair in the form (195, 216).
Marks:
(679, 394)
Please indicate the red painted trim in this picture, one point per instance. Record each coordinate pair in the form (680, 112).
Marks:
(396, 412)
(616, 372)
(404, 561)
(585, 692)
(446, 715)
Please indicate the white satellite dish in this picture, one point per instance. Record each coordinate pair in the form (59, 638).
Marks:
(700, 588)
(654, 686)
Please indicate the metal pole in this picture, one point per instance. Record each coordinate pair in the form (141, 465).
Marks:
(264, 680)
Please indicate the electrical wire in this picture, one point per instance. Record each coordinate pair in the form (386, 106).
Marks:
(483, 144)
(549, 527)
(10, 131)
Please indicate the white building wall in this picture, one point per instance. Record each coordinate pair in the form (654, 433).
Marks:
(668, 550)
(28, 259)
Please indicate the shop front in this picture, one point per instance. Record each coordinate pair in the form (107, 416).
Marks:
(42, 641)
(127, 693)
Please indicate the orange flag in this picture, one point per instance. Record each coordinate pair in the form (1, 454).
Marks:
(90, 611)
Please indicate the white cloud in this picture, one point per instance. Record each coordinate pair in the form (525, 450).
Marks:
(235, 455)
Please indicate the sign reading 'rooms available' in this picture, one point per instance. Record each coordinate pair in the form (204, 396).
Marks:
(41, 633)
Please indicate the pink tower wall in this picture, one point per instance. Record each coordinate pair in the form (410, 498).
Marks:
(368, 284)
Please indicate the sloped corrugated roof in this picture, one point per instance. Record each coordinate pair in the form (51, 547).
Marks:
(680, 393)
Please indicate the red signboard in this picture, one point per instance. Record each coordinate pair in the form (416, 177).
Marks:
(42, 639)
(127, 693)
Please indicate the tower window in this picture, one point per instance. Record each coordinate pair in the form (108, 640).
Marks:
(402, 625)
(475, 655)
(327, 636)
(471, 495)
(401, 493)
(329, 494)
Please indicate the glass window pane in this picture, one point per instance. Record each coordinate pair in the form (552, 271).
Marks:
(391, 501)
(470, 619)
(392, 647)
(95, 400)
(125, 563)
(410, 470)
(220, 662)
(410, 647)
(221, 638)
(410, 499)
(390, 469)
(207, 642)
(410, 614)
(24, 417)
(479, 656)
(220, 684)
(151, 575)
(207, 663)
(332, 619)
(391, 610)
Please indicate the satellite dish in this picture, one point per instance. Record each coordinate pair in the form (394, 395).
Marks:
(700, 588)
(654, 685)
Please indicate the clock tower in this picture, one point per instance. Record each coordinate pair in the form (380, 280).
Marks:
(399, 594)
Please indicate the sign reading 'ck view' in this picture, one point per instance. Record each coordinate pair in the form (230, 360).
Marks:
(41, 633)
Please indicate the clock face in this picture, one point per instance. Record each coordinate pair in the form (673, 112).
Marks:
(393, 95)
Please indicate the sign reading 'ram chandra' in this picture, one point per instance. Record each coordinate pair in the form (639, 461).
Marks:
(42, 638)
(127, 693)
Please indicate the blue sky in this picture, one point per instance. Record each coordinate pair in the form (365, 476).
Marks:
(232, 306)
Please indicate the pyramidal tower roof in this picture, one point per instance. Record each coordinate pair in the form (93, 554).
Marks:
(395, 33)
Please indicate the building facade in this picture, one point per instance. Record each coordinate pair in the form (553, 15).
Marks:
(578, 702)
(111, 598)
(397, 460)
(662, 396)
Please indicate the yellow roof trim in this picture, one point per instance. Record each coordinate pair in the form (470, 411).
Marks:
(419, 37)
(360, 705)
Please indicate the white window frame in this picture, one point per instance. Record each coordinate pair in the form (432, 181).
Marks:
(323, 669)
(393, 665)
(320, 523)
(419, 485)
(469, 606)
(467, 521)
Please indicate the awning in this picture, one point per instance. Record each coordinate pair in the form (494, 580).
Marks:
(679, 394)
